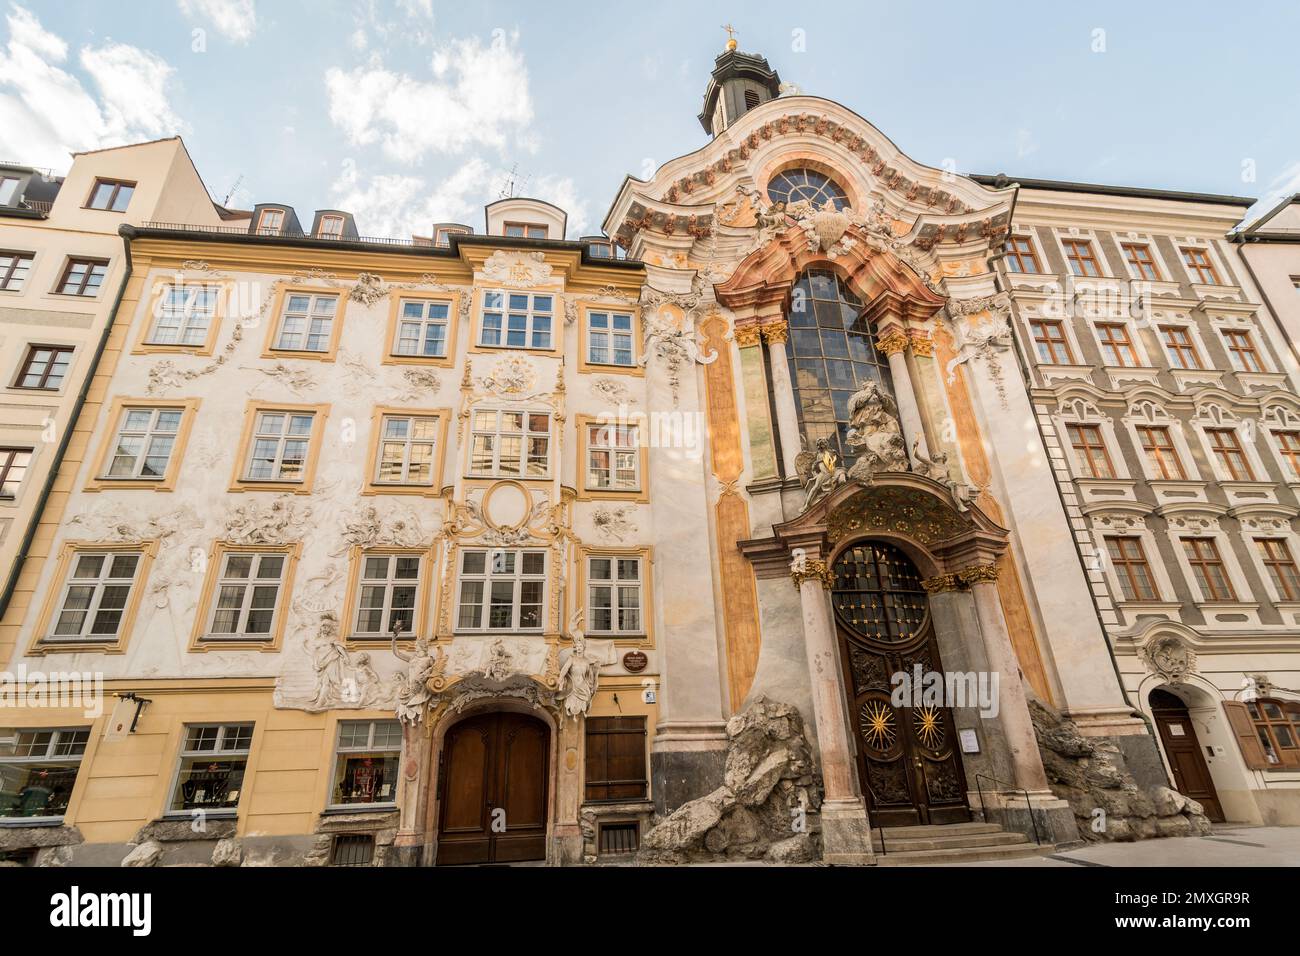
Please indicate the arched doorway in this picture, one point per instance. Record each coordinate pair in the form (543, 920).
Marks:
(908, 763)
(493, 784)
(1183, 751)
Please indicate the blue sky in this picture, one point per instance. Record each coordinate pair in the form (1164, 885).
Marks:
(411, 111)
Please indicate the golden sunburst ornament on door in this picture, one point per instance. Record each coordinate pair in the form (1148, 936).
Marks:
(877, 723)
(929, 727)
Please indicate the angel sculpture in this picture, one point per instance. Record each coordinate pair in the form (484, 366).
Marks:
(413, 687)
(819, 472)
(578, 675)
(936, 466)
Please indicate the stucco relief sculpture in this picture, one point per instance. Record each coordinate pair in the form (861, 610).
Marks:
(369, 289)
(874, 433)
(413, 691)
(278, 522)
(614, 523)
(580, 671)
(517, 269)
(982, 339)
(935, 466)
(418, 384)
(1169, 657)
(820, 472)
(107, 522)
(367, 528)
(338, 680)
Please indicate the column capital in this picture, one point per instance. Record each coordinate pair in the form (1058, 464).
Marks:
(811, 570)
(943, 582)
(922, 341)
(978, 574)
(775, 330)
(747, 335)
(892, 341)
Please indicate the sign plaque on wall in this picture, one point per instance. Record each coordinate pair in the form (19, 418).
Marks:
(970, 742)
(634, 662)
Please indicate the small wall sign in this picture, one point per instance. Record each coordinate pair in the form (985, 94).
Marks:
(634, 662)
(970, 742)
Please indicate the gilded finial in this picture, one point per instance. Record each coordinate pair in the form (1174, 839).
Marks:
(731, 36)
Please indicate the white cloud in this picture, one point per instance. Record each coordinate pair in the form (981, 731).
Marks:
(45, 111)
(478, 96)
(235, 19)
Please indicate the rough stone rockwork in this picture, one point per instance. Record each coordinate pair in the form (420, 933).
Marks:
(1089, 774)
(768, 787)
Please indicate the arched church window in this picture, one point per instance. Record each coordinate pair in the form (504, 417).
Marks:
(793, 185)
(832, 354)
(877, 593)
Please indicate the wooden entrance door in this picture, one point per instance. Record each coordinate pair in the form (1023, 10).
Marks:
(493, 790)
(908, 763)
(1183, 750)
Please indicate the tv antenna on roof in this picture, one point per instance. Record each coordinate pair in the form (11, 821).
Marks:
(513, 183)
(233, 189)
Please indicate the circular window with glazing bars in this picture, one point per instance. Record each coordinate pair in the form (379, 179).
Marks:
(877, 593)
(793, 185)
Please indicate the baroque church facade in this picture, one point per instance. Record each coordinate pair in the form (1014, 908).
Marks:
(496, 547)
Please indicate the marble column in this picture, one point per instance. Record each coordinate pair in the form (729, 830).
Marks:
(775, 334)
(894, 344)
(1013, 706)
(414, 788)
(846, 833)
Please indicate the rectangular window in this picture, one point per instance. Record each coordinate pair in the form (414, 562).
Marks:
(213, 760)
(1241, 351)
(406, 446)
(442, 237)
(1277, 558)
(1130, 563)
(281, 441)
(1116, 345)
(517, 320)
(95, 595)
(386, 594)
(366, 763)
(1288, 444)
(502, 590)
(8, 190)
(613, 458)
(1021, 256)
(1227, 448)
(508, 444)
(1161, 452)
(609, 338)
(45, 367)
(307, 324)
(1138, 255)
(82, 277)
(331, 227)
(422, 328)
(525, 230)
(110, 194)
(1179, 345)
(13, 469)
(1082, 260)
(270, 222)
(615, 758)
(144, 441)
(1049, 337)
(1090, 450)
(183, 315)
(14, 269)
(1207, 567)
(38, 769)
(1199, 266)
(614, 603)
(248, 595)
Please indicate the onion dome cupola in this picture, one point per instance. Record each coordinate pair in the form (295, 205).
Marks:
(739, 82)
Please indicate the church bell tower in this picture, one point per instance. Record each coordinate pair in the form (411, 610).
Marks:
(739, 82)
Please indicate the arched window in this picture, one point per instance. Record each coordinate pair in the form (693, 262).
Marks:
(877, 593)
(793, 185)
(832, 354)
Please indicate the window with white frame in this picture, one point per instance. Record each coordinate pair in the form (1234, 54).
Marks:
(386, 594)
(38, 769)
(95, 596)
(331, 227)
(307, 323)
(517, 320)
(270, 222)
(422, 328)
(501, 590)
(613, 458)
(1242, 352)
(281, 441)
(609, 338)
(406, 450)
(183, 315)
(211, 775)
(247, 595)
(1288, 446)
(507, 444)
(143, 445)
(366, 763)
(1275, 555)
(1208, 569)
(1228, 451)
(614, 595)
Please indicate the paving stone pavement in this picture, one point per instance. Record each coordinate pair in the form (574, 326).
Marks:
(1228, 845)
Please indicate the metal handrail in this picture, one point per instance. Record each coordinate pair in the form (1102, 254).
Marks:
(1028, 806)
(876, 803)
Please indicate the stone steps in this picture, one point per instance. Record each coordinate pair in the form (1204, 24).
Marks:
(953, 843)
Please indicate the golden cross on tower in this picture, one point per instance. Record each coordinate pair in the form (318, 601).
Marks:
(731, 35)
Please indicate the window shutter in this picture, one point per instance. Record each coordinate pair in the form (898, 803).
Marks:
(1243, 727)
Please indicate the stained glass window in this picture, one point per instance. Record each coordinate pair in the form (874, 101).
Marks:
(796, 184)
(877, 593)
(832, 353)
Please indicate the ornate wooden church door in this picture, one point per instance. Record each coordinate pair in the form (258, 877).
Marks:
(493, 790)
(908, 763)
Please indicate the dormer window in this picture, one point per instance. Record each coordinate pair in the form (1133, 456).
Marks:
(270, 222)
(442, 235)
(525, 230)
(601, 250)
(331, 227)
(8, 190)
(111, 195)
